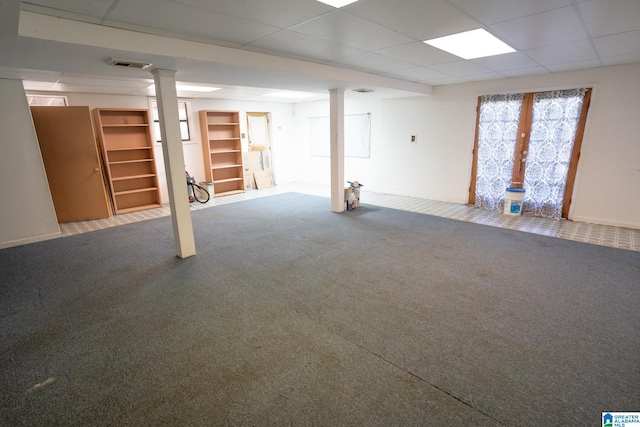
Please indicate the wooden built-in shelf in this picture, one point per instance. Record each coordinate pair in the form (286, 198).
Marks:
(127, 149)
(222, 151)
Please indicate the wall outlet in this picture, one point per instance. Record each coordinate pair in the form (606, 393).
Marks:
(414, 139)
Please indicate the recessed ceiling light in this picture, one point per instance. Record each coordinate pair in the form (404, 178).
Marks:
(290, 94)
(471, 44)
(337, 3)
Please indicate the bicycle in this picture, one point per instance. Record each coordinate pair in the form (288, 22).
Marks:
(195, 189)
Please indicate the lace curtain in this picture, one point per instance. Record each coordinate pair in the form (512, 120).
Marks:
(553, 131)
(555, 117)
(497, 133)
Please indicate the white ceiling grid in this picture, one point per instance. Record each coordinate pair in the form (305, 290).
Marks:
(383, 37)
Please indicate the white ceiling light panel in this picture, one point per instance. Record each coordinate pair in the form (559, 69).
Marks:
(337, 3)
(471, 44)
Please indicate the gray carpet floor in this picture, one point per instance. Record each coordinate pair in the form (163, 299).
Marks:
(293, 315)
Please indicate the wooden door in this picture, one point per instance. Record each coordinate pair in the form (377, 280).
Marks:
(72, 163)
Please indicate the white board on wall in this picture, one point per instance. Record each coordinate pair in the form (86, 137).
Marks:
(357, 135)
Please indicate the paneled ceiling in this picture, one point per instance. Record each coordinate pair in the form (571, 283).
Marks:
(248, 46)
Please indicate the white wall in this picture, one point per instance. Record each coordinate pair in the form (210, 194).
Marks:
(26, 208)
(317, 169)
(438, 167)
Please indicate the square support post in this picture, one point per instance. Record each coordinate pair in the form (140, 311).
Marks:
(336, 117)
(173, 155)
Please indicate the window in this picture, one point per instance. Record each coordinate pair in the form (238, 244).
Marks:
(47, 100)
(531, 141)
(183, 115)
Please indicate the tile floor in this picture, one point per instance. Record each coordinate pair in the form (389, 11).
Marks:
(605, 235)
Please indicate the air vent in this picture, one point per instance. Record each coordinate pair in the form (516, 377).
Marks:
(127, 63)
(363, 90)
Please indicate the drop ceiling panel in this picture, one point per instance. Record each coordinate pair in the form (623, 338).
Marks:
(303, 45)
(418, 53)
(621, 59)
(279, 13)
(376, 36)
(418, 19)
(373, 61)
(483, 76)
(494, 11)
(459, 68)
(508, 61)
(618, 44)
(560, 26)
(95, 8)
(570, 66)
(419, 74)
(448, 81)
(525, 72)
(606, 17)
(567, 52)
(352, 31)
(170, 16)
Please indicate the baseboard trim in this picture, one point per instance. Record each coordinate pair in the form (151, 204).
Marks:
(600, 221)
(35, 239)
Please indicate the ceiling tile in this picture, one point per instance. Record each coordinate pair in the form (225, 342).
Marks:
(352, 31)
(447, 81)
(459, 68)
(618, 44)
(418, 53)
(508, 61)
(560, 53)
(280, 13)
(374, 61)
(559, 26)
(603, 18)
(622, 59)
(494, 11)
(525, 72)
(419, 19)
(305, 46)
(419, 74)
(95, 8)
(577, 65)
(484, 76)
(181, 19)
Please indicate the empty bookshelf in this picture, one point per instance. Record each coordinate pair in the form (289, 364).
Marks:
(222, 151)
(127, 149)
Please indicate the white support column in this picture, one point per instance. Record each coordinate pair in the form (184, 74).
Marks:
(336, 117)
(167, 98)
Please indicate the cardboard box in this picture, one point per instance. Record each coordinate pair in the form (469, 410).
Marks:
(257, 170)
(256, 161)
(249, 182)
(263, 179)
